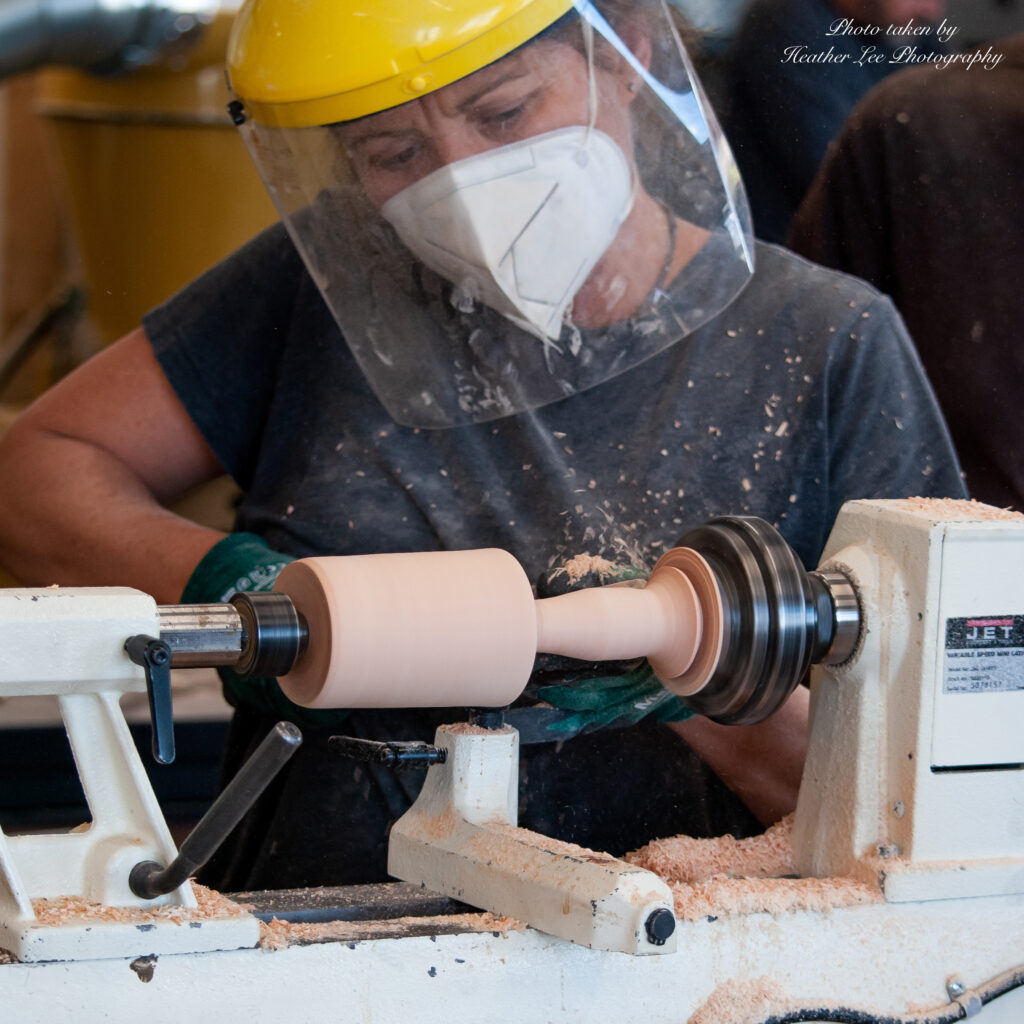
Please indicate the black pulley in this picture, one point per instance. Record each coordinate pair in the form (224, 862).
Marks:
(777, 619)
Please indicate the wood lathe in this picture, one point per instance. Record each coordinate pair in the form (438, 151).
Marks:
(913, 788)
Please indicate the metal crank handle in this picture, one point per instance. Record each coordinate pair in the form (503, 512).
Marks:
(148, 879)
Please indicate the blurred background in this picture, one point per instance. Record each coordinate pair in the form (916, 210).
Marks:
(121, 175)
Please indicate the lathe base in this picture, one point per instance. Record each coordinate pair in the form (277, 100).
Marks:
(35, 943)
(877, 958)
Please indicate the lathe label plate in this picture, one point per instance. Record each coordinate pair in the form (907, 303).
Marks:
(984, 654)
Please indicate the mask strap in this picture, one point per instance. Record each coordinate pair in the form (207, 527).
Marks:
(685, 105)
(588, 46)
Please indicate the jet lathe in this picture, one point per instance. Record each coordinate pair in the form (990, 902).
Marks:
(913, 790)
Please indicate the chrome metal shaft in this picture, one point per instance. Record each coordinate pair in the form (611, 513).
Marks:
(202, 634)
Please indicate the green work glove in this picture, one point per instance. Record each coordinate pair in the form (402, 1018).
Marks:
(601, 695)
(617, 700)
(244, 562)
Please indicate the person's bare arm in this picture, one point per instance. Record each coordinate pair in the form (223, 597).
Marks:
(762, 763)
(86, 471)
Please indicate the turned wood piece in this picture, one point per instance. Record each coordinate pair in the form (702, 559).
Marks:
(462, 628)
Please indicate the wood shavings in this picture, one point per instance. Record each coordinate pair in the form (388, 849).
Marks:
(730, 897)
(65, 910)
(214, 904)
(579, 566)
(958, 509)
(725, 877)
(277, 934)
(469, 729)
(533, 840)
(752, 1002)
(685, 859)
(739, 1002)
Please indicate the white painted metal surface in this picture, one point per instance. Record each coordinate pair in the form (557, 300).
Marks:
(69, 642)
(460, 839)
(911, 781)
(881, 959)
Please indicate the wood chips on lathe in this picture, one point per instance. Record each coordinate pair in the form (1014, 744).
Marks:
(709, 878)
(724, 877)
(277, 934)
(65, 910)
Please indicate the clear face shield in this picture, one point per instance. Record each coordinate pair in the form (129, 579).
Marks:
(526, 232)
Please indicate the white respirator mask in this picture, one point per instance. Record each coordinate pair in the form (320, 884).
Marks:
(508, 279)
(519, 228)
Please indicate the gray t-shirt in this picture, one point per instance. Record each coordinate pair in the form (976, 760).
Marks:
(804, 393)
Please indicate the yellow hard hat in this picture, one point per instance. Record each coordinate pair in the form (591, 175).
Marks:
(298, 63)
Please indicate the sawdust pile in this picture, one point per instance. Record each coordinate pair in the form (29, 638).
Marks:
(957, 509)
(684, 859)
(750, 1002)
(65, 910)
(469, 729)
(277, 934)
(730, 897)
(740, 1002)
(725, 877)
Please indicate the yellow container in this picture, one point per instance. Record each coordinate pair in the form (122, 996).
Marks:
(160, 184)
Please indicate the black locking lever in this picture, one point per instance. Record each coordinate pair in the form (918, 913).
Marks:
(155, 657)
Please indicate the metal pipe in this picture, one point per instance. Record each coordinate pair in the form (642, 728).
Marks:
(202, 634)
(148, 879)
(257, 634)
(95, 35)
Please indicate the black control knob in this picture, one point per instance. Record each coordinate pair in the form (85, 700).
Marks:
(660, 925)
